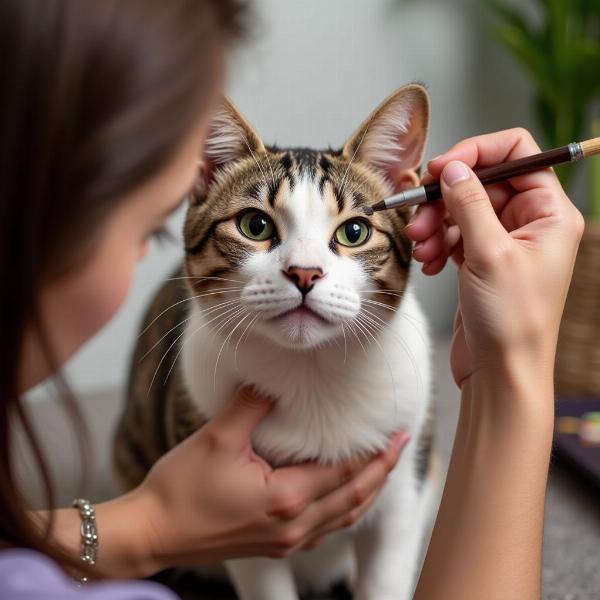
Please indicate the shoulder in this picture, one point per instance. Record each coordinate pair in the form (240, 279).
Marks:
(26, 574)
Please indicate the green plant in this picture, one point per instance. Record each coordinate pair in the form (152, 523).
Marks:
(559, 47)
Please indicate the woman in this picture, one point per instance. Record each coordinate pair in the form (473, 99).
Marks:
(103, 110)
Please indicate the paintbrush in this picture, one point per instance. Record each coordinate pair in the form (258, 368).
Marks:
(433, 191)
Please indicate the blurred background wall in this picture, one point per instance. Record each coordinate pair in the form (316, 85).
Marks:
(312, 72)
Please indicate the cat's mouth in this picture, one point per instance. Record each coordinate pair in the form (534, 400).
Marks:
(301, 312)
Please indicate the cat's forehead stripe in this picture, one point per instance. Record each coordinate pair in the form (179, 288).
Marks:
(308, 191)
(273, 190)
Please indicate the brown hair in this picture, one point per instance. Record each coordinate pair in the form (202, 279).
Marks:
(96, 97)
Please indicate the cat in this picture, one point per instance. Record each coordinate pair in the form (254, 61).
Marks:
(289, 286)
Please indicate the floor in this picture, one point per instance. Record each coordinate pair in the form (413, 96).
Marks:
(571, 564)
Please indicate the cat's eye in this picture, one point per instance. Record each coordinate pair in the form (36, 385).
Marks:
(256, 226)
(354, 232)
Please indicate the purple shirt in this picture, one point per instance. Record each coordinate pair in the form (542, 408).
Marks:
(29, 575)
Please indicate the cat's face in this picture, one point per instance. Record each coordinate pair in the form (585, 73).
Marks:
(277, 241)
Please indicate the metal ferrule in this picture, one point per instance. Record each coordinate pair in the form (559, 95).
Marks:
(576, 151)
(410, 197)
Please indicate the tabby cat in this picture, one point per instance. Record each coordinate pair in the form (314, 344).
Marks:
(288, 285)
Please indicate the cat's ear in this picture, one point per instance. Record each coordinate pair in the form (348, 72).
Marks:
(230, 137)
(392, 139)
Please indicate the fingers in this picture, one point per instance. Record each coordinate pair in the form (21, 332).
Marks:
(294, 488)
(347, 520)
(426, 221)
(478, 152)
(487, 150)
(493, 149)
(343, 506)
(483, 235)
(312, 538)
(234, 425)
(436, 249)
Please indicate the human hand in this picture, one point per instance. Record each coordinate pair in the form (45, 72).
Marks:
(514, 244)
(211, 498)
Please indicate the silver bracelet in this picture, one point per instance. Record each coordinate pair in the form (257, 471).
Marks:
(89, 534)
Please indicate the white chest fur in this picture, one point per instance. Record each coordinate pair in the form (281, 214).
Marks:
(332, 402)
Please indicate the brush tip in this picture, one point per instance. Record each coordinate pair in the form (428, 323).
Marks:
(368, 210)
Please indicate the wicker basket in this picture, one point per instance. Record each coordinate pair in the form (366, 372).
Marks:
(577, 370)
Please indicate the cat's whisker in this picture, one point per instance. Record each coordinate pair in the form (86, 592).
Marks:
(383, 354)
(163, 358)
(224, 324)
(211, 278)
(353, 332)
(360, 327)
(271, 168)
(179, 352)
(162, 313)
(252, 321)
(345, 343)
(226, 341)
(386, 293)
(162, 338)
(403, 345)
(382, 324)
(215, 307)
(258, 318)
(213, 291)
(360, 331)
(207, 311)
(256, 161)
(352, 160)
(410, 319)
(394, 310)
(381, 304)
(183, 345)
(228, 290)
(383, 328)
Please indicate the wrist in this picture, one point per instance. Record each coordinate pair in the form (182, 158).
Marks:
(517, 371)
(514, 393)
(151, 540)
(125, 550)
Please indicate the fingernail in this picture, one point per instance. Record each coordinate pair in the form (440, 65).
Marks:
(417, 246)
(401, 441)
(455, 172)
(435, 158)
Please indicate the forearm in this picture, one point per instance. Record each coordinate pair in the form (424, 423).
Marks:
(122, 553)
(487, 538)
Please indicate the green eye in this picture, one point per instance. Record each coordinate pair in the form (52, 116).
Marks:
(352, 233)
(256, 226)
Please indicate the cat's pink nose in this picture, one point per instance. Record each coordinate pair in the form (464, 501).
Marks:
(303, 279)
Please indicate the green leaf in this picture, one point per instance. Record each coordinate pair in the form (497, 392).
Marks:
(560, 51)
(530, 56)
(510, 15)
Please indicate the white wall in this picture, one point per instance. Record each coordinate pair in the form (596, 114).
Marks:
(315, 69)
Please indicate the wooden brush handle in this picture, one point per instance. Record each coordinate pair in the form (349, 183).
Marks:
(521, 166)
(591, 147)
(513, 168)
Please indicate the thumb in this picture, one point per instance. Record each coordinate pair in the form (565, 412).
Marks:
(235, 423)
(470, 207)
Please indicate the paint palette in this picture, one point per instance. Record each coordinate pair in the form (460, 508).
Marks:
(577, 435)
